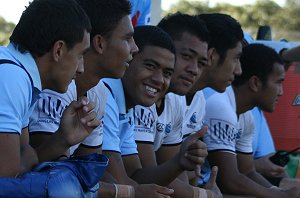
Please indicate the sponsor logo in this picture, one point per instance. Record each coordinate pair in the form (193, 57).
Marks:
(51, 107)
(167, 128)
(224, 131)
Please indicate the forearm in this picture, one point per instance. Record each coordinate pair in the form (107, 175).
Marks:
(53, 148)
(181, 189)
(162, 174)
(29, 158)
(258, 178)
(242, 185)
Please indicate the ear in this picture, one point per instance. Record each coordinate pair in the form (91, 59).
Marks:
(98, 43)
(58, 50)
(255, 84)
(212, 56)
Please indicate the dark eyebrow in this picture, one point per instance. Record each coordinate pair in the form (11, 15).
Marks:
(129, 34)
(157, 64)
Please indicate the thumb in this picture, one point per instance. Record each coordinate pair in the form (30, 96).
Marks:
(195, 136)
(75, 105)
(212, 179)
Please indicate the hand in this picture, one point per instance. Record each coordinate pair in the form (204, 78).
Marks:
(193, 151)
(267, 168)
(78, 121)
(211, 185)
(292, 192)
(153, 191)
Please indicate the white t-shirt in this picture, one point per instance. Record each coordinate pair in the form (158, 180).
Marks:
(49, 109)
(226, 131)
(194, 114)
(118, 133)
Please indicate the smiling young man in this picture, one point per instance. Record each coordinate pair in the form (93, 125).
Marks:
(162, 138)
(231, 125)
(146, 79)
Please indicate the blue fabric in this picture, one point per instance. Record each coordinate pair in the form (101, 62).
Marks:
(18, 95)
(74, 177)
(262, 141)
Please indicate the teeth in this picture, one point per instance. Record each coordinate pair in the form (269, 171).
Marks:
(151, 89)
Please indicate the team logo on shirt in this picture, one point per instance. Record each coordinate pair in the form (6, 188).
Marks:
(167, 128)
(193, 121)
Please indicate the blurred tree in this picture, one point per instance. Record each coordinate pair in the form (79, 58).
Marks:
(6, 29)
(284, 20)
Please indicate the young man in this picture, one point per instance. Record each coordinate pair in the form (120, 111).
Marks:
(191, 39)
(45, 52)
(231, 125)
(143, 83)
(224, 51)
(112, 47)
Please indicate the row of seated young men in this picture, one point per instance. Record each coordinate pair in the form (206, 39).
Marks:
(137, 99)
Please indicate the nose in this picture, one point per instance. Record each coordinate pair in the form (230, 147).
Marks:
(133, 47)
(238, 69)
(158, 77)
(280, 90)
(80, 68)
(193, 68)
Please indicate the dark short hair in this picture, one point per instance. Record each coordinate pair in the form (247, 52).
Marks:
(256, 60)
(225, 32)
(105, 15)
(44, 22)
(152, 36)
(176, 24)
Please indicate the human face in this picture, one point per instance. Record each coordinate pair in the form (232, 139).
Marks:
(272, 89)
(118, 50)
(69, 64)
(191, 57)
(148, 76)
(219, 76)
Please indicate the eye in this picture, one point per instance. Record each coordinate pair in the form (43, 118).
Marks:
(186, 56)
(168, 74)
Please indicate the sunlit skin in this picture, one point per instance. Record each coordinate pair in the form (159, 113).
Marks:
(191, 57)
(148, 76)
(67, 64)
(219, 76)
(272, 89)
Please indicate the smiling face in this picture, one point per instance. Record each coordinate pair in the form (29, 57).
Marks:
(148, 76)
(118, 50)
(272, 89)
(191, 57)
(219, 76)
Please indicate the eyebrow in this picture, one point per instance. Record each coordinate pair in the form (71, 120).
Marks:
(129, 34)
(156, 63)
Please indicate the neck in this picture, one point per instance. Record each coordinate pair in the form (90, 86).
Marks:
(85, 82)
(243, 99)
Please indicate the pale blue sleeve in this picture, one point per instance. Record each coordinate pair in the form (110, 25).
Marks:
(262, 142)
(15, 98)
(111, 140)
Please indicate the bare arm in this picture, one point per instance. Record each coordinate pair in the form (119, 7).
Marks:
(232, 181)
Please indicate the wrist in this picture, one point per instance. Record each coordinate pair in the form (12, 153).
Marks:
(201, 193)
(124, 191)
